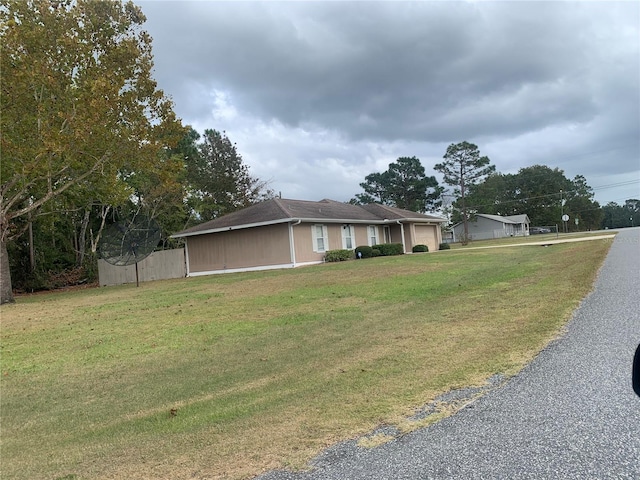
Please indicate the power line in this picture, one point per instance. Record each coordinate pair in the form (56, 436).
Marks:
(619, 184)
(596, 152)
(554, 194)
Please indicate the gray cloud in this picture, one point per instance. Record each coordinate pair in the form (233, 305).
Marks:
(350, 84)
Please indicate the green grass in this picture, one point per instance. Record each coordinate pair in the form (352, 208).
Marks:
(528, 239)
(263, 370)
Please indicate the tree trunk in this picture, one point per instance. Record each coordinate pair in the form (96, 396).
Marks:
(82, 240)
(6, 293)
(465, 239)
(32, 252)
(103, 215)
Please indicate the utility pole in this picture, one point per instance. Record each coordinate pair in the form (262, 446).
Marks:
(562, 210)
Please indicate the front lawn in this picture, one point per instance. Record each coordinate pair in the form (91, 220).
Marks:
(228, 376)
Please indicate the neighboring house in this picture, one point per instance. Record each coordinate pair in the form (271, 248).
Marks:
(484, 227)
(280, 233)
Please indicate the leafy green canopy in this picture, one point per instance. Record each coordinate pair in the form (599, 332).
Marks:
(80, 110)
(617, 216)
(544, 194)
(217, 179)
(404, 185)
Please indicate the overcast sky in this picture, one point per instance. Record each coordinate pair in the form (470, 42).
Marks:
(317, 95)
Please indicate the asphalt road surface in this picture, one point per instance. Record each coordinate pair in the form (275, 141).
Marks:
(570, 414)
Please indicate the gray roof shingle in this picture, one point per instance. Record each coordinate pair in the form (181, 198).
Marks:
(510, 219)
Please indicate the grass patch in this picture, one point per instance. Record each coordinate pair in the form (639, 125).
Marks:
(528, 239)
(228, 376)
(372, 441)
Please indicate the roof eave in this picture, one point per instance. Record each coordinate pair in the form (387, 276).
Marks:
(232, 227)
(370, 221)
(422, 220)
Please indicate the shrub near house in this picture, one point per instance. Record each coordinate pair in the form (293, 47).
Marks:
(387, 249)
(365, 251)
(338, 255)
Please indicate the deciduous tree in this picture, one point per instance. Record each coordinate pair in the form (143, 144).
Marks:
(585, 212)
(620, 216)
(543, 193)
(79, 104)
(491, 196)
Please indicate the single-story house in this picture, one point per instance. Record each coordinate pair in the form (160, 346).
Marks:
(280, 233)
(484, 227)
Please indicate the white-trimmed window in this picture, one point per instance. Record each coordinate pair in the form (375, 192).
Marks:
(372, 231)
(348, 237)
(387, 234)
(320, 238)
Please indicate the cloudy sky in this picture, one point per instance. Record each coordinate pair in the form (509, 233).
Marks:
(317, 95)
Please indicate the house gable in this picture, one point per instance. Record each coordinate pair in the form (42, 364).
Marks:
(519, 219)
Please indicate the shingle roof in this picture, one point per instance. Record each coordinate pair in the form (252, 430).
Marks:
(497, 218)
(523, 218)
(280, 210)
(392, 213)
(510, 219)
(515, 219)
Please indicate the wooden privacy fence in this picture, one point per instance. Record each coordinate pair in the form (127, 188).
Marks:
(157, 266)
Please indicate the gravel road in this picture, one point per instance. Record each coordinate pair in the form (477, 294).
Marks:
(571, 413)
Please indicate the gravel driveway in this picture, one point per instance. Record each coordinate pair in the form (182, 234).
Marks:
(571, 413)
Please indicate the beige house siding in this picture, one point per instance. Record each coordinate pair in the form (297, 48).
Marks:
(303, 236)
(303, 242)
(428, 235)
(362, 235)
(289, 245)
(335, 236)
(239, 249)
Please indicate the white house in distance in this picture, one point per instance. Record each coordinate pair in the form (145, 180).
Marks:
(485, 227)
